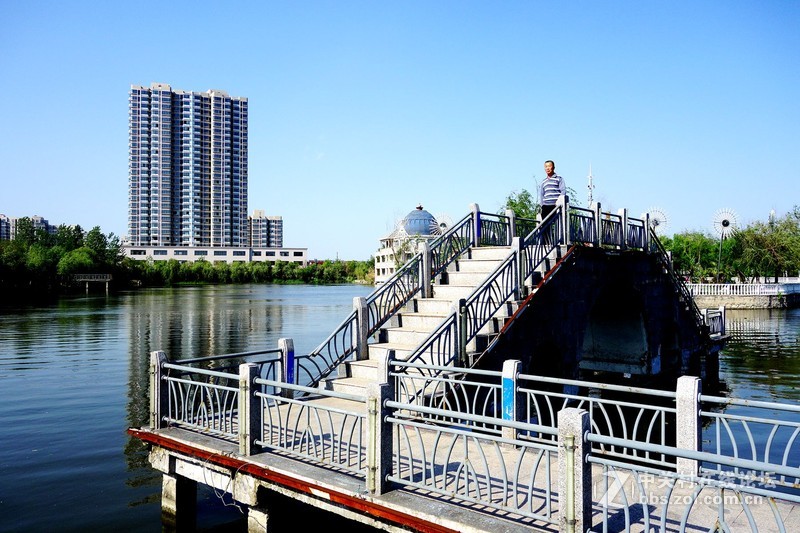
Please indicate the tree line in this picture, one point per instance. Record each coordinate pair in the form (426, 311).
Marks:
(37, 261)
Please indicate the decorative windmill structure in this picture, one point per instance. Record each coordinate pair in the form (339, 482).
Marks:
(658, 220)
(724, 225)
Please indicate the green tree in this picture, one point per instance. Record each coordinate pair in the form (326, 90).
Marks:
(769, 248)
(76, 261)
(522, 204)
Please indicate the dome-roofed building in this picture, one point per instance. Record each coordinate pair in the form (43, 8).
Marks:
(401, 244)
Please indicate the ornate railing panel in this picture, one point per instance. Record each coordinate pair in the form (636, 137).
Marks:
(757, 431)
(487, 299)
(451, 244)
(611, 230)
(523, 226)
(581, 225)
(541, 242)
(494, 230)
(318, 364)
(645, 418)
(313, 430)
(202, 400)
(394, 294)
(441, 347)
(498, 473)
(635, 233)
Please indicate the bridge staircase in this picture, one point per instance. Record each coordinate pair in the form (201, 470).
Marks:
(417, 320)
(445, 306)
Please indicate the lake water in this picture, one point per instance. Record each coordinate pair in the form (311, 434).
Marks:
(73, 379)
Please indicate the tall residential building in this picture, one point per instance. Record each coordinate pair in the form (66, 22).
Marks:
(187, 177)
(266, 231)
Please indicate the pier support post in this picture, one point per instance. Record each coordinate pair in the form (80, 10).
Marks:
(574, 472)
(178, 503)
(687, 422)
(250, 411)
(257, 520)
(158, 390)
(512, 408)
(646, 239)
(287, 364)
(360, 334)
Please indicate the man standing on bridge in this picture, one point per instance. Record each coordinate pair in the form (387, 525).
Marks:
(551, 188)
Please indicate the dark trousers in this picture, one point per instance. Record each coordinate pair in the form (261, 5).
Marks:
(547, 237)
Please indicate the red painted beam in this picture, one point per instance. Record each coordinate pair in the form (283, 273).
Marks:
(351, 502)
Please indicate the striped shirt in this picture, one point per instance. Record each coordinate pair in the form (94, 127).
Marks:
(551, 188)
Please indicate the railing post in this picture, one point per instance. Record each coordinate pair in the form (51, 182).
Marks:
(510, 399)
(646, 238)
(425, 269)
(461, 332)
(687, 422)
(379, 431)
(250, 411)
(159, 390)
(563, 201)
(521, 289)
(623, 215)
(512, 225)
(722, 317)
(574, 472)
(476, 224)
(360, 332)
(287, 365)
(597, 214)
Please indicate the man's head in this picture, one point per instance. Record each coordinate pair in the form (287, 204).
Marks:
(549, 167)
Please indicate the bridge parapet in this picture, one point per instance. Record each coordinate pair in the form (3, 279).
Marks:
(458, 440)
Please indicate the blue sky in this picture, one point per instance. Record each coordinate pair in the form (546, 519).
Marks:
(359, 111)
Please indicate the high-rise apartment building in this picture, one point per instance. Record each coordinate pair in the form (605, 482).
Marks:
(187, 178)
(266, 231)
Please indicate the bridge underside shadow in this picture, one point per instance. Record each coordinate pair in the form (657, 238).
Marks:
(614, 314)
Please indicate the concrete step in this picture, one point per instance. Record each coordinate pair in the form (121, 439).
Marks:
(378, 350)
(357, 386)
(471, 279)
(421, 322)
(435, 306)
(405, 336)
(473, 265)
(366, 369)
(452, 293)
(490, 252)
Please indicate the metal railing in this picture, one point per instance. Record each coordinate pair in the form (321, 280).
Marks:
(742, 289)
(678, 283)
(756, 431)
(491, 439)
(451, 244)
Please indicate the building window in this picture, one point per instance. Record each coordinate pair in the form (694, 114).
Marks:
(201, 252)
(137, 252)
(181, 252)
(220, 252)
(284, 254)
(159, 252)
(239, 253)
(256, 254)
(298, 254)
(270, 254)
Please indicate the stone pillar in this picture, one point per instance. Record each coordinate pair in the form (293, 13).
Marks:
(476, 224)
(379, 438)
(687, 422)
(563, 202)
(574, 472)
(250, 411)
(623, 215)
(159, 391)
(178, 503)
(512, 225)
(425, 270)
(360, 335)
(287, 364)
(597, 212)
(512, 408)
